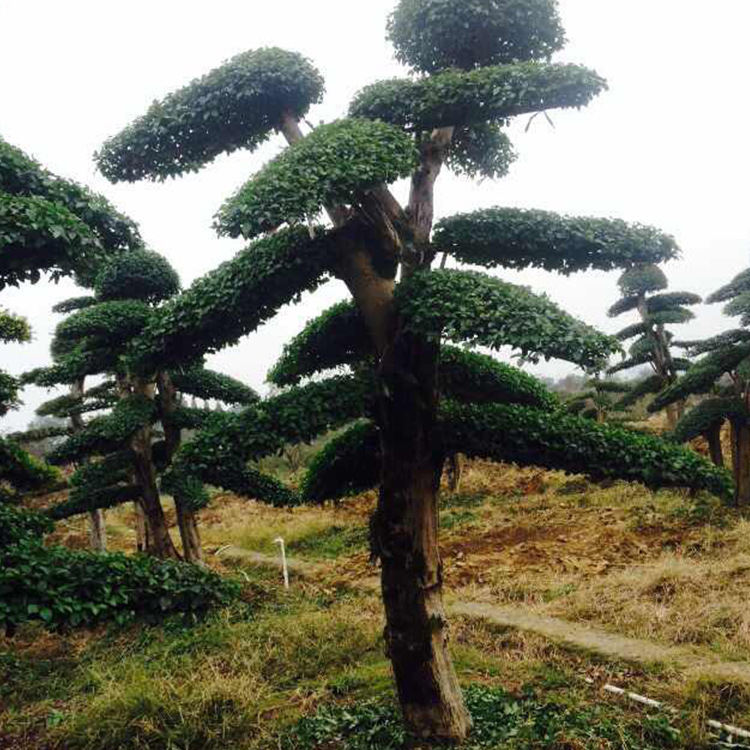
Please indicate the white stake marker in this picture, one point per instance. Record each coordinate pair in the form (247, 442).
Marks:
(280, 542)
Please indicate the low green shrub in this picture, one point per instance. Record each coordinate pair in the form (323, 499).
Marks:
(62, 588)
(17, 525)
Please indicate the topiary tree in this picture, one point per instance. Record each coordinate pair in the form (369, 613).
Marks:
(723, 372)
(54, 226)
(652, 344)
(478, 65)
(599, 400)
(94, 340)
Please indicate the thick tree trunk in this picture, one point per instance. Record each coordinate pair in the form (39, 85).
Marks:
(672, 416)
(405, 538)
(141, 527)
(158, 541)
(454, 466)
(97, 524)
(406, 522)
(97, 531)
(189, 533)
(713, 438)
(187, 520)
(741, 463)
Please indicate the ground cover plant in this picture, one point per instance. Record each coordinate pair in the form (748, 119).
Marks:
(304, 670)
(474, 66)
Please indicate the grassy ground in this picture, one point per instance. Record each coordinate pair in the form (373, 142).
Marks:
(664, 567)
(245, 678)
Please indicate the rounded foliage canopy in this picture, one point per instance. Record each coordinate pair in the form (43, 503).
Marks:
(519, 238)
(235, 298)
(642, 278)
(337, 337)
(476, 308)
(481, 150)
(109, 322)
(430, 35)
(456, 97)
(738, 285)
(20, 175)
(138, 275)
(37, 235)
(14, 327)
(236, 105)
(331, 165)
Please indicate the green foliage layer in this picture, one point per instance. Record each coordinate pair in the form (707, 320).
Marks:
(207, 384)
(14, 328)
(23, 176)
(644, 387)
(9, 393)
(480, 150)
(430, 35)
(479, 309)
(108, 433)
(702, 375)
(78, 363)
(348, 464)
(221, 450)
(520, 238)
(22, 471)
(643, 278)
(112, 323)
(332, 165)
(708, 414)
(738, 285)
(234, 299)
(529, 436)
(37, 236)
(337, 337)
(236, 105)
(74, 303)
(476, 378)
(85, 500)
(138, 275)
(714, 343)
(456, 98)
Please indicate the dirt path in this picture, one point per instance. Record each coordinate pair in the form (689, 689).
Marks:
(562, 631)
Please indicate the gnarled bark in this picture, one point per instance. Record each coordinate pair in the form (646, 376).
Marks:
(158, 541)
(97, 523)
(713, 438)
(405, 537)
(187, 520)
(741, 462)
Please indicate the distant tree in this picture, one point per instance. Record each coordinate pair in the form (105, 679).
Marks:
(599, 399)
(94, 340)
(639, 285)
(723, 372)
(53, 226)
(477, 65)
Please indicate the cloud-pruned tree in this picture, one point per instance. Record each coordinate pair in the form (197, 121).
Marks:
(476, 65)
(721, 373)
(119, 456)
(48, 225)
(642, 287)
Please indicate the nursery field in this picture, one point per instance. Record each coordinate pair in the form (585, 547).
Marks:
(307, 668)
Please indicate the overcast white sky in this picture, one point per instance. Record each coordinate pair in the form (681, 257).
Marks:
(667, 145)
